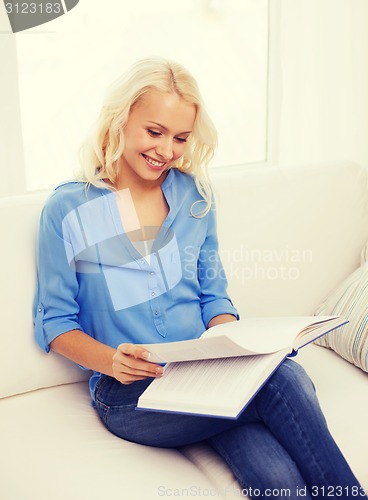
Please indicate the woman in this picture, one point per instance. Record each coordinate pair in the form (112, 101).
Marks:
(116, 254)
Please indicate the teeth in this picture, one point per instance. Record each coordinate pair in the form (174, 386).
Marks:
(154, 162)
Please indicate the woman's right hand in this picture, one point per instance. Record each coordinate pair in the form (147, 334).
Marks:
(130, 363)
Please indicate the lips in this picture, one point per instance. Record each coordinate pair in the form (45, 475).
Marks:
(154, 163)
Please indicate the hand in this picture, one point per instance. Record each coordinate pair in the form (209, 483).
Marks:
(130, 364)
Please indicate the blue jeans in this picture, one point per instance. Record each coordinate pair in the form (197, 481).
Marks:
(280, 441)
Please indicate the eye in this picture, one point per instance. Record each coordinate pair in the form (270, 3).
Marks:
(153, 133)
(180, 139)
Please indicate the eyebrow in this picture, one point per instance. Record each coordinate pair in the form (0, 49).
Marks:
(166, 129)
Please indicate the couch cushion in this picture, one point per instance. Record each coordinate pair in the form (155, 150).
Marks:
(23, 366)
(289, 235)
(55, 448)
(350, 300)
(214, 467)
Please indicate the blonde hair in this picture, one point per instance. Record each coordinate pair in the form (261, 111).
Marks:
(105, 145)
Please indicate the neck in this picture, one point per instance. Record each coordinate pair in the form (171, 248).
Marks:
(127, 178)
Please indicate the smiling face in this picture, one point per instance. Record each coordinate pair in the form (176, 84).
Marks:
(155, 136)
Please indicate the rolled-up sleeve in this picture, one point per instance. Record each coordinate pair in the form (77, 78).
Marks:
(55, 309)
(212, 278)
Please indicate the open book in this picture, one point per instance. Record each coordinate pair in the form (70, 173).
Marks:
(219, 373)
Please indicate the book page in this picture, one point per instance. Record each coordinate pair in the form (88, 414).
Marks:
(245, 337)
(269, 334)
(313, 332)
(214, 387)
(190, 350)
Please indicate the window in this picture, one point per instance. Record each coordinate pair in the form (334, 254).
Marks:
(65, 66)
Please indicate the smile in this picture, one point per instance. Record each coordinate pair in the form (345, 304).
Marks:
(154, 163)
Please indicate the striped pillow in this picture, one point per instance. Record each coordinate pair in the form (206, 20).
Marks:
(349, 300)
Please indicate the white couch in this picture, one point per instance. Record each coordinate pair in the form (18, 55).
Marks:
(288, 237)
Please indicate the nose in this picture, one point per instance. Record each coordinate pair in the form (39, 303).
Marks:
(165, 149)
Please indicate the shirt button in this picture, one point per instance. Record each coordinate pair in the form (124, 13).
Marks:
(152, 273)
(152, 294)
(39, 310)
(156, 313)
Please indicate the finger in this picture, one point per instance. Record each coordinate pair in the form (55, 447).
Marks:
(127, 355)
(125, 363)
(134, 350)
(134, 365)
(138, 368)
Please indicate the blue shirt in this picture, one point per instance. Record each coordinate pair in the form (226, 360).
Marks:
(92, 277)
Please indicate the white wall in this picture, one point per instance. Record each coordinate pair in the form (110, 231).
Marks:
(324, 81)
(65, 65)
(11, 148)
(319, 80)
